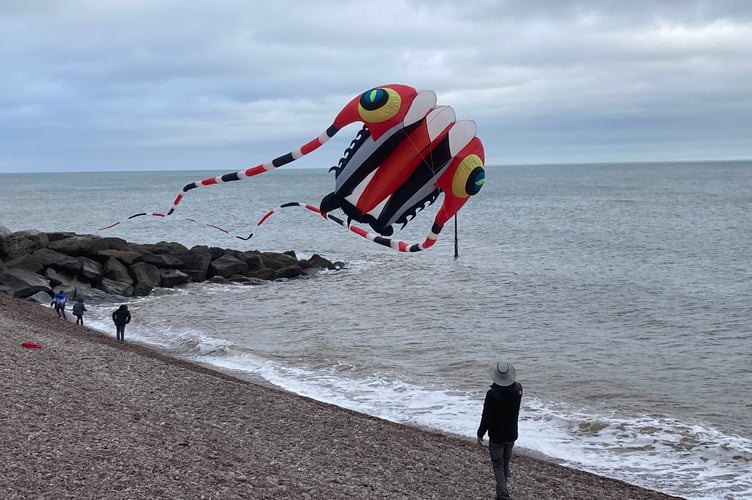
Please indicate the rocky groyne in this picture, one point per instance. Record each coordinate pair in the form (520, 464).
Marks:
(35, 265)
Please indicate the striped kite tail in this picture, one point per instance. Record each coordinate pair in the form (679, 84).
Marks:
(271, 212)
(261, 168)
(154, 214)
(305, 149)
(400, 246)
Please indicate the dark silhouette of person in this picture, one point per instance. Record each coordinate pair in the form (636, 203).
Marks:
(121, 317)
(78, 311)
(501, 411)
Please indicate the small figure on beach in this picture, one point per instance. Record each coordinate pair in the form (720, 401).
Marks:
(121, 317)
(78, 311)
(501, 411)
(59, 303)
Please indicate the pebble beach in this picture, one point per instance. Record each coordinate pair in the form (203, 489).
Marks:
(85, 416)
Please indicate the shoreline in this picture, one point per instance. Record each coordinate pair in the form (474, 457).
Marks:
(89, 417)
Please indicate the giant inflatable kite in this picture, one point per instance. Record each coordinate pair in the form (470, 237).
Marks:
(408, 152)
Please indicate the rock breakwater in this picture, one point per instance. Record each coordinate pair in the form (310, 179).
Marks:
(35, 264)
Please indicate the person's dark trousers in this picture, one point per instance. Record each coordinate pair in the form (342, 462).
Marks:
(120, 332)
(501, 455)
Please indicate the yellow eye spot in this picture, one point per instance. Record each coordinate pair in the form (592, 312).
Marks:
(378, 105)
(469, 177)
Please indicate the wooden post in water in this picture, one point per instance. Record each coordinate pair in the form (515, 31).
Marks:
(456, 242)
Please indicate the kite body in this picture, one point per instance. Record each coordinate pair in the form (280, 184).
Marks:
(397, 166)
(408, 152)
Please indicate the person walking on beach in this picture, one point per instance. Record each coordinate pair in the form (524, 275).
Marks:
(59, 303)
(121, 317)
(78, 311)
(501, 411)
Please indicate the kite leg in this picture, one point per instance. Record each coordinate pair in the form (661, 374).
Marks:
(258, 169)
(261, 168)
(271, 212)
(394, 244)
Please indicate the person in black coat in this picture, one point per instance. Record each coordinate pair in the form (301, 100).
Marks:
(121, 317)
(501, 411)
(78, 311)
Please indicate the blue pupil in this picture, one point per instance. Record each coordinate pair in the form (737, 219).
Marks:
(373, 99)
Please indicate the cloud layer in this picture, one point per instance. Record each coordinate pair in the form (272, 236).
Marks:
(135, 84)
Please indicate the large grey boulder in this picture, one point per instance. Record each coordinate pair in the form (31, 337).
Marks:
(275, 260)
(127, 257)
(142, 289)
(162, 260)
(147, 274)
(22, 242)
(196, 262)
(115, 287)
(4, 232)
(79, 289)
(117, 271)
(226, 266)
(253, 260)
(57, 278)
(114, 243)
(169, 248)
(291, 271)
(28, 262)
(90, 269)
(40, 298)
(217, 252)
(316, 261)
(24, 283)
(56, 260)
(173, 277)
(57, 236)
(79, 245)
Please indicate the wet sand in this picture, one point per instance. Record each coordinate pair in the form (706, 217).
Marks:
(86, 416)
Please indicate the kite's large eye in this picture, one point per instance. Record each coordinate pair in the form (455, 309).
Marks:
(469, 177)
(378, 105)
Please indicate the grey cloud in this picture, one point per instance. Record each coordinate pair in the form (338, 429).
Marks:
(242, 82)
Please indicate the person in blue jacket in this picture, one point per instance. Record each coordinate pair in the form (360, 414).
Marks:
(59, 303)
(501, 411)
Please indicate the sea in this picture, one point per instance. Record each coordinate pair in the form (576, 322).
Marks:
(621, 292)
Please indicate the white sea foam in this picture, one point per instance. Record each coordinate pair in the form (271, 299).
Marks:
(660, 453)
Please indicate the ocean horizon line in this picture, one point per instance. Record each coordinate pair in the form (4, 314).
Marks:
(609, 163)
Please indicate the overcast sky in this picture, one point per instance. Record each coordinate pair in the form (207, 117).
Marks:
(223, 85)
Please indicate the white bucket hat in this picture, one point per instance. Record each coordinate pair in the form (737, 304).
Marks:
(503, 373)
